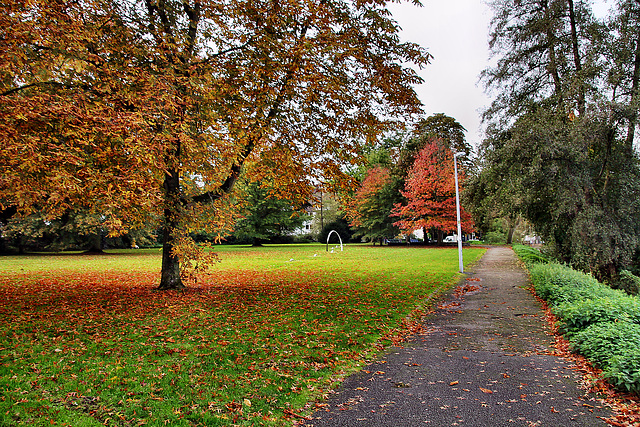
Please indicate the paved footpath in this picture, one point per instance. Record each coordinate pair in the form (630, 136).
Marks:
(484, 359)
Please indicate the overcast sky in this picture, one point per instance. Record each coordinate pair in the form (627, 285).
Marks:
(455, 32)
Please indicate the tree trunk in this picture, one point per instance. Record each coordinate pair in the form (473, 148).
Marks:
(96, 242)
(321, 213)
(170, 276)
(19, 245)
(512, 224)
(552, 67)
(607, 273)
(512, 229)
(635, 92)
(576, 58)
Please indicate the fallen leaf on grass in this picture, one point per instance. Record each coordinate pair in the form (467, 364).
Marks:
(486, 390)
(290, 412)
(238, 308)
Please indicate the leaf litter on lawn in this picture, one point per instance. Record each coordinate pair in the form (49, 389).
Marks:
(243, 346)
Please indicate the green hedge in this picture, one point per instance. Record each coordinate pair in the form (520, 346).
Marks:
(601, 323)
(530, 255)
(578, 315)
(558, 284)
(624, 372)
(602, 342)
(615, 348)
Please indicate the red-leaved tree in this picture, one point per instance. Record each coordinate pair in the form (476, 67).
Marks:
(431, 194)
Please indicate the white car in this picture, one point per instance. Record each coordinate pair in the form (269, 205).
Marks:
(450, 239)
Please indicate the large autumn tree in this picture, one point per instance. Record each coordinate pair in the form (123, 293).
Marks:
(445, 128)
(130, 108)
(430, 193)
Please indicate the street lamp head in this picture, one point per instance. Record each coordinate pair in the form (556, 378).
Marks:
(459, 153)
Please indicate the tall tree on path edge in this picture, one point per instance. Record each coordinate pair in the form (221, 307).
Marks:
(560, 151)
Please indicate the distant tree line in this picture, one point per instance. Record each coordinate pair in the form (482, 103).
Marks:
(405, 184)
(408, 184)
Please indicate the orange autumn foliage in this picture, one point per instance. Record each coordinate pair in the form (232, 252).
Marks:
(141, 111)
(363, 202)
(430, 193)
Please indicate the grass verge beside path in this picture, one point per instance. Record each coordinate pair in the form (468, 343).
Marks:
(85, 340)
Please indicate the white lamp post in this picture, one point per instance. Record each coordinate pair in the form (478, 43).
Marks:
(455, 168)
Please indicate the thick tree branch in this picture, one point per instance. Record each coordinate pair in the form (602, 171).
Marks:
(194, 18)
(236, 169)
(635, 95)
(232, 177)
(161, 8)
(18, 89)
(576, 57)
(158, 9)
(151, 10)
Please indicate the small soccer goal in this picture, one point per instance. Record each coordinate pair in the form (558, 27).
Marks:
(329, 237)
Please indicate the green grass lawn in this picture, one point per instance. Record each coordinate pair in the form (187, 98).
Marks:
(86, 340)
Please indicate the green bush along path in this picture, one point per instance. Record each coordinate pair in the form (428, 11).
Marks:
(601, 323)
(483, 359)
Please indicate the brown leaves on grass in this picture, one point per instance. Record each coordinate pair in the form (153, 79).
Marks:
(238, 336)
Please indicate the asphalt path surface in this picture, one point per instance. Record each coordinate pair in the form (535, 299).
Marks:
(485, 358)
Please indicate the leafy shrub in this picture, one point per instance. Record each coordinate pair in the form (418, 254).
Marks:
(495, 238)
(578, 315)
(602, 323)
(629, 282)
(558, 284)
(602, 342)
(624, 371)
(530, 255)
(303, 238)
